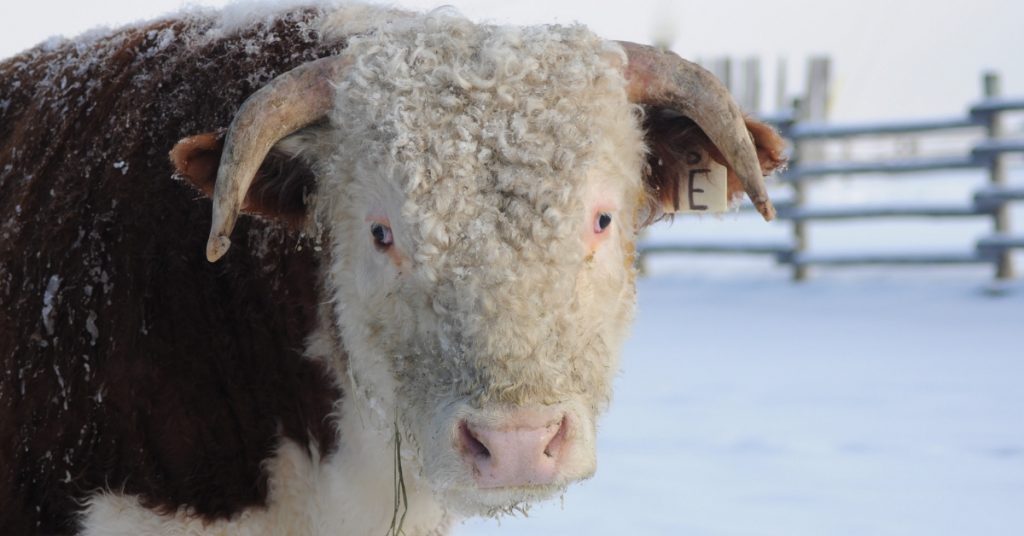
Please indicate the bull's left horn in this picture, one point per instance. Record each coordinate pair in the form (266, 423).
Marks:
(660, 78)
(287, 103)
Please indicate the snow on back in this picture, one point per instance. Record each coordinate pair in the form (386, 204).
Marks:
(237, 16)
(49, 303)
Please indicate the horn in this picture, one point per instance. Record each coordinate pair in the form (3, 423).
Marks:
(287, 103)
(661, 78)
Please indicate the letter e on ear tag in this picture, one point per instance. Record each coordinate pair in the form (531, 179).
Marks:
(703, 185)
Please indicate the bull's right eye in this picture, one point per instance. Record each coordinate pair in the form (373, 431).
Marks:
(382, 237)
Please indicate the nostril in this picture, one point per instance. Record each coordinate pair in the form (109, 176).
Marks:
(554, 446)
(522, 448)
(470, 443)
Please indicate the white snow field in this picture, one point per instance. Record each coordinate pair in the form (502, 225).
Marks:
(861, 405)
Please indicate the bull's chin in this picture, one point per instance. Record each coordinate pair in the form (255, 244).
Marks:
(494, 502)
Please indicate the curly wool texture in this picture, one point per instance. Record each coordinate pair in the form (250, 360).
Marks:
(488, 133)
(482, 145)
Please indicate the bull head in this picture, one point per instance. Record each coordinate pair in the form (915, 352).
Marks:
(481, 219)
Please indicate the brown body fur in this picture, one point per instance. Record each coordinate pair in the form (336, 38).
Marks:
(148, 370)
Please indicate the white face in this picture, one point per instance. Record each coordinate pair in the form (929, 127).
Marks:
(488, 330)
(482, 242)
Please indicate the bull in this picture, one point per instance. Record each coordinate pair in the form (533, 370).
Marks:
(420, 318)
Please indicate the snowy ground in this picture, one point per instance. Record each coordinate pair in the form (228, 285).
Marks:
(873, 402)
(861, 405)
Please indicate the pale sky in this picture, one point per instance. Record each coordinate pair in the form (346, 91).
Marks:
(891, 58)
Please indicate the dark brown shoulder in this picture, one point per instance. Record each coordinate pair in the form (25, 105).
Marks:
(127, 361)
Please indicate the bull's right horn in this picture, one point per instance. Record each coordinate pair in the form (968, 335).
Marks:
(661, 78)
(287, 103)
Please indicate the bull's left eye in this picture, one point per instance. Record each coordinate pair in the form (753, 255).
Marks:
(602, 222)
(382, 237)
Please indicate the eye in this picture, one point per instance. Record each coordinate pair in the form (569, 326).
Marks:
(381, 235)
(602, 222)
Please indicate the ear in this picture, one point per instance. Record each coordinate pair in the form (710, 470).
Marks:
(279, 190)
(677, 145)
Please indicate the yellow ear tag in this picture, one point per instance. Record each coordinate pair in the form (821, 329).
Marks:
(703, 186)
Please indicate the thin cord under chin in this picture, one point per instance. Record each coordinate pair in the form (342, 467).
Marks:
(401, 498)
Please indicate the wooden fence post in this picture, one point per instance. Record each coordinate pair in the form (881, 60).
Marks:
(997, 178)
(780, 86)
(752, 85)
(799, 196)
(813, 107)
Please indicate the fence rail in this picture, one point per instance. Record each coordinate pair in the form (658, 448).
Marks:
(986, 154)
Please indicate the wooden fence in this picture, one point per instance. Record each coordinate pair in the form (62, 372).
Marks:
(989, 145)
